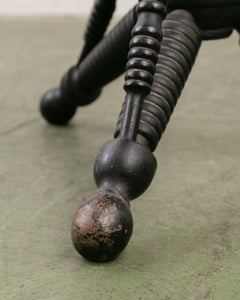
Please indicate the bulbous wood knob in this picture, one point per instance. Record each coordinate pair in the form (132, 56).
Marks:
(55, 109)
(102, 226)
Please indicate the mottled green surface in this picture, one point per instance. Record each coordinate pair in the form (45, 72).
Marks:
(186, 240)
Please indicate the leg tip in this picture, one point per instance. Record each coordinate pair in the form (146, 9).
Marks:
(102, 226)
(54, 110)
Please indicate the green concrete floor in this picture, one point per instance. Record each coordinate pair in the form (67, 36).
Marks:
(186, 240)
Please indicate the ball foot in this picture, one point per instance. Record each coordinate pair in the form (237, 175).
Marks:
(54, 110)
(102, 226)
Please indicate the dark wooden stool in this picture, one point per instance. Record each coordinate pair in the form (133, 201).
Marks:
(156, 43)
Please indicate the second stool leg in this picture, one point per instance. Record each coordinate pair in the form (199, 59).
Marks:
(180, 44)
(83, 82)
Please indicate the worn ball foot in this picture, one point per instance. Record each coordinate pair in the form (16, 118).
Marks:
(102, 226)
(54, 110)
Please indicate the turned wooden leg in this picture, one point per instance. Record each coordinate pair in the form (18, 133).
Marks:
(125, 166)
(179, 47)
(102, 60)
(98, 22)
(124, 169)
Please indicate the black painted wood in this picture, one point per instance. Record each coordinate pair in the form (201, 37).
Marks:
(158, 64)
(142, 57)
(83, 82)
(98, 22)
(179, 47)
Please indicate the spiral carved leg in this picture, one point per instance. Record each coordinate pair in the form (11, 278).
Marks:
(179, 48)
